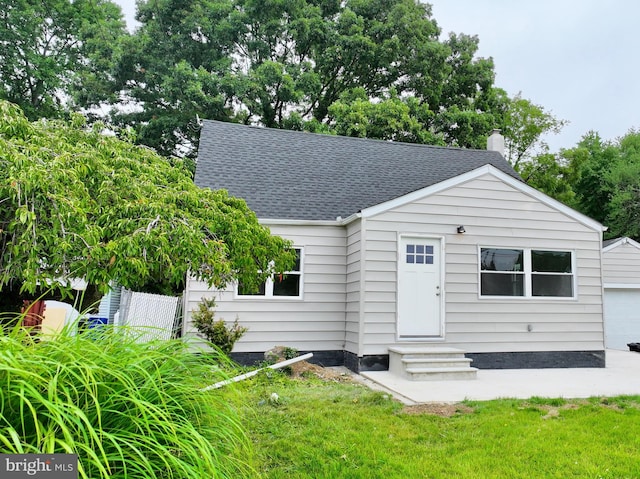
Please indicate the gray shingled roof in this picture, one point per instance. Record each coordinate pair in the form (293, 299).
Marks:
(606, 243)
(294, 175)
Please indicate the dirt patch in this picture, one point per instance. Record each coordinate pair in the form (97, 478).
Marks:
(553, 412)
(304, 368)
(437, 409)
(615, 406)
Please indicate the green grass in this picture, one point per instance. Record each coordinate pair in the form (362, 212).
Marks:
(334, 430)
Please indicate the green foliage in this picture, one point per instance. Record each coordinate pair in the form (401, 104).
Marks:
(290, 353)
(79, 203)
(550, 174)
(56, 48)
(592, 160)
(216, 332)
(525, 125)
(292, 64)
(599, 178)
(623, 179)
(392, 118)
(129, 410)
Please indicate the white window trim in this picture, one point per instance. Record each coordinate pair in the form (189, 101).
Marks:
(268, 287)
(528, 273)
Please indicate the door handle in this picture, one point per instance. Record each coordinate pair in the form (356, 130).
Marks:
(437, 290)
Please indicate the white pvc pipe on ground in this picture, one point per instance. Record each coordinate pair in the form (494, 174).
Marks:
(279, 365)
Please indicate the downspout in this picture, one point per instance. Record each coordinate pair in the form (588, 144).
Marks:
(345, 323)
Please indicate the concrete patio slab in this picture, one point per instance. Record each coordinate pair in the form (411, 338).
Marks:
(621, 376)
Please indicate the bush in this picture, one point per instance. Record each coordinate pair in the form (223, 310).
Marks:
(129, 410)
(215, 331)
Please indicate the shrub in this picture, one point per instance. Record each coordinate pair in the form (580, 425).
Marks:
(128, 409)
(216, 332)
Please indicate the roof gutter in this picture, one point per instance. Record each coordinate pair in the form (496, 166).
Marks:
(339, 221)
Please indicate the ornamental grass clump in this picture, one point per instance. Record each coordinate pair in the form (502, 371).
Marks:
(128, 409)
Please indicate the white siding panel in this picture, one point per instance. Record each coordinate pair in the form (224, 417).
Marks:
(382, 286)
(506, 337)
(315, 323)
(375, 275)
(379, 317)
(380, 328)
(353, 286)
(621, 265)
(536, 327)
(382, 267)
(494, 214)
(512, 310)
(324, 288)
(373, 305)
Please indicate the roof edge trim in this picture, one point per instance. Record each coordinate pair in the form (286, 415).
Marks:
(621, 241)
(339, 221)
(286, 222)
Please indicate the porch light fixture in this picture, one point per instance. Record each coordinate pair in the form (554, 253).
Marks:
(461, 229)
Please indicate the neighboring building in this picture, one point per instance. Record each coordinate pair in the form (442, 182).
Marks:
(621, 276)
(404, 244)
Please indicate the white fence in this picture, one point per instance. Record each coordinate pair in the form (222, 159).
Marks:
(154, 316)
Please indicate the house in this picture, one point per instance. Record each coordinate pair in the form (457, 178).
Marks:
(621, 276)
(410, 245)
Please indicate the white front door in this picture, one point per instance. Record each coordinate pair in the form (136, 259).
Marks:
(419, 288)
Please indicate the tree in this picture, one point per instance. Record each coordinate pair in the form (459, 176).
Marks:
(52, 51)
(591, 162)
(283, 64)
(623, 178)
(392, 118)
(605, 176)
(79, 203)
(524, 128)
(174, 70)
(551, 174)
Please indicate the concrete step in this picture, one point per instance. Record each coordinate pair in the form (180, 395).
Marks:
(418, 352)
(429, 362)
(440, 374)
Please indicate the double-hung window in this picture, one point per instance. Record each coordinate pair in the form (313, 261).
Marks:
(285, 285)
(520, 272)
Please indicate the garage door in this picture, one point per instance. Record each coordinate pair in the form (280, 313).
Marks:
(621, 317)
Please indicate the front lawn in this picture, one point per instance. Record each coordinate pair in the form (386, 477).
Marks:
(340, 429)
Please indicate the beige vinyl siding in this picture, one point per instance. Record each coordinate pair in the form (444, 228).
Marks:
(314, 323)
(621, 265)
(494, 214)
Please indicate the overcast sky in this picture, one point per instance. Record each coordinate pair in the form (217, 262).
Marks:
(576, 58)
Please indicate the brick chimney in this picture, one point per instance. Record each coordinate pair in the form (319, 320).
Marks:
(495, 142)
